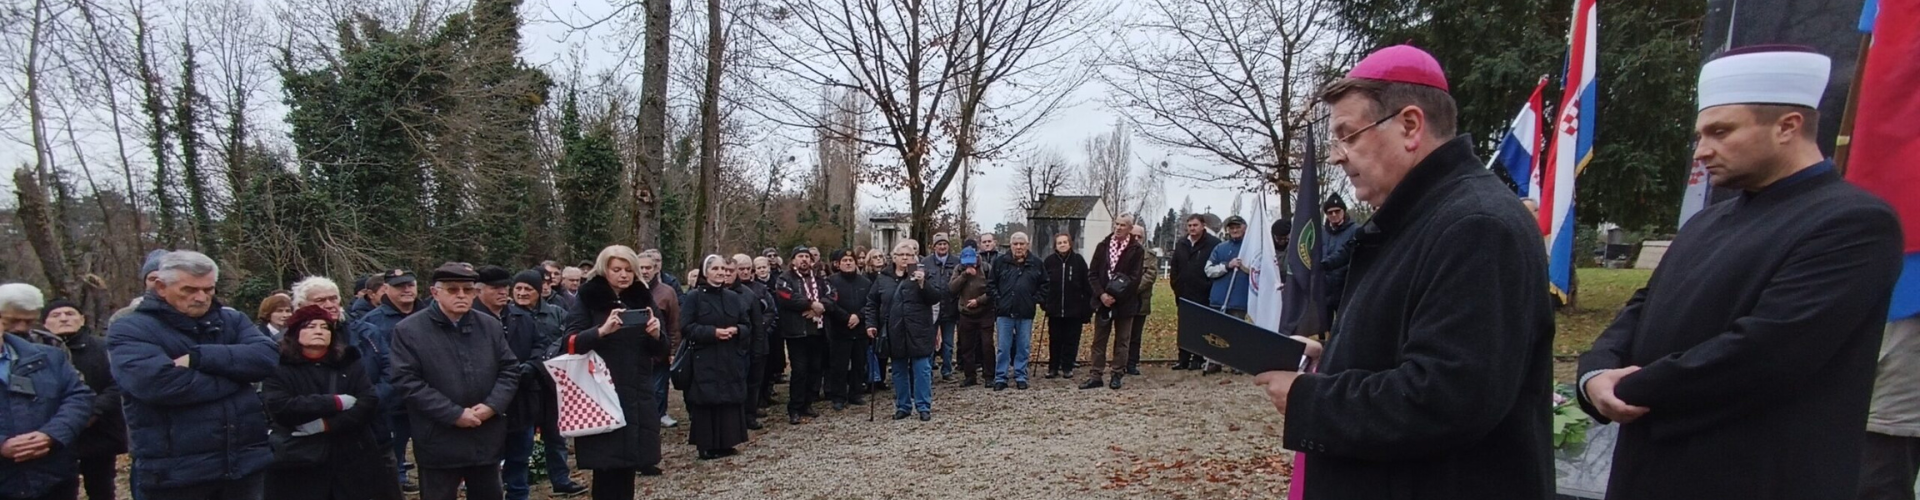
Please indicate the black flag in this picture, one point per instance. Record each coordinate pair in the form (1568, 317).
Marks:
(1307, 313)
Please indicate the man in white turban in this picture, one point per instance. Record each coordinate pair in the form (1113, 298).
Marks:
(1744, 368)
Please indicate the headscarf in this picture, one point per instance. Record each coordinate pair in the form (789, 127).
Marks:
(706, 282)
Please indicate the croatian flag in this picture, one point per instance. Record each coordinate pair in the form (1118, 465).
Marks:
(1572, 147)
(1521, 147)
(1881, 158)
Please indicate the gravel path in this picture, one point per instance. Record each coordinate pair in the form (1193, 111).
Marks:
(1167, 434)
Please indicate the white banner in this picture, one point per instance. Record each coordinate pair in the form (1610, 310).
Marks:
(1264, 303)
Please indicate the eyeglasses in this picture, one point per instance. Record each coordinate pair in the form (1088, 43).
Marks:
(1340, 144)
(459, 290)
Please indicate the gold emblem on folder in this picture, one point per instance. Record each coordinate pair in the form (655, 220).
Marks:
(1216, 341)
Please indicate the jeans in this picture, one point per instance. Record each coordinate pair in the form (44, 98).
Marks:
(519, 457)
(947, 336)
(913, 384)
(1015, 340)
(876, 370)
(402, 432)
(555, 448)
(483, 483)
(252, 487)
(660, 377)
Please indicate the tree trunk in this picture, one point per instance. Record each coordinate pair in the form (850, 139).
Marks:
(156, 109)
(33, 219)
(650, 176)
(709, 127)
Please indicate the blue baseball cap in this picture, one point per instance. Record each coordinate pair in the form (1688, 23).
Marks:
(969, 256)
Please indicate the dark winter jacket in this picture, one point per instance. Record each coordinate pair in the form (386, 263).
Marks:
(971, 288)
(376, 327)
(46, 395)
(441, 367)
(1018, 286)
(762, 312)
(629, 353)
(304, 390)
(940, 270)
(903, 309)
(1189, 268)
(361, 306)
(850, 297)
(1442, 388)
(201, 423)
(1132, 264)
(1147, 279)
(107, 434)
(666, 301)
(790, 295)
(718, 368)
(1065, 298)
(530, 339)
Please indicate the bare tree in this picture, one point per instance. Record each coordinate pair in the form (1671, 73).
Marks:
(926, 69)
(709, 122)
(1109, 168)
(653, 124)
(1229, 80)
(1044, 172)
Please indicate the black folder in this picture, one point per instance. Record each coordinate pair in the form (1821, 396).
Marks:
(1230, 341)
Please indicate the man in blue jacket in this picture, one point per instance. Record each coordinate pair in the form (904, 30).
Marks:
(399, 299)
(186, 366)
(46, 406)
(1229, 275)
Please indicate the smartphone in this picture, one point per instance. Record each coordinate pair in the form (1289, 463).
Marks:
(636, 317)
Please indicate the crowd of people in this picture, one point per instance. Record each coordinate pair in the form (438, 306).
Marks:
(389, 388)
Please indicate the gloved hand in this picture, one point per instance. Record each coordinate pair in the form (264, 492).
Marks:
(310, 428)
(346, 401)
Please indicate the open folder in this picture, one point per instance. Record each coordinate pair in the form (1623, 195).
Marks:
(1230, 341)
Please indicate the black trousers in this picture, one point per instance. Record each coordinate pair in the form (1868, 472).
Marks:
(252, 487)
(846, 368)
(975, 338)
(808, 355)
(1888, 467)
(758, 391)
(1063, 343)
(1139, 327)
(483, 483)
(776, 358)
(96, 477)
(613, 484)
(66, 490)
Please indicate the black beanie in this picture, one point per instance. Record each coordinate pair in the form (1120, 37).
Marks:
(56, 304)
(531, 277)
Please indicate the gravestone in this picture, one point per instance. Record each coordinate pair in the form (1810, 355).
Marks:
(1580, 472)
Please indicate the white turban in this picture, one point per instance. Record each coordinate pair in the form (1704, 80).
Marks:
(1772, 75)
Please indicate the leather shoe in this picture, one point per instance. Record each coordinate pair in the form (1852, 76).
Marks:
(651, 471)
(999, 386)
(409, 487)
(1133, 370)
(754, 425)
(708, 455)
(1052, 374)
(793, 420)
(900, 415)
(1020, 385)
(808, 412)
(1115, 384)
(856, 401)
(925, 416)
(1092, 383)
(969, 382)
(569, 489)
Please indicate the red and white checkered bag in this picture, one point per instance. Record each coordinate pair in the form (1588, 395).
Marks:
(588, 405)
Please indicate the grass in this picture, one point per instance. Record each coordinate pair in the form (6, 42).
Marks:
(1602, 292)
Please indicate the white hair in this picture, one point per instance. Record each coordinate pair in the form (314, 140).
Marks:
(907, 243)
(304, 289)
(1019, 236)
(21, 297)
(191, 263)
(571, 270)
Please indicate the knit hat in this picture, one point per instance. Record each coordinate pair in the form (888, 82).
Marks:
(797, 250)
(1333, 202)
(530, 277)
(308, 314)
(838, 254)
(56, 304)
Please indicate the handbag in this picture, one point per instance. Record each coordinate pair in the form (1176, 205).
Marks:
(290, 451)
(1119, 285)
(679, 373)
(584, 390)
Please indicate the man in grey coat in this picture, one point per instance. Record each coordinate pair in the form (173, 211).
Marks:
(455, 372)
(1890, 458)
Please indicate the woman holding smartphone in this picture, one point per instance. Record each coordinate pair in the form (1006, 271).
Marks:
(901, 305)
(599, 324)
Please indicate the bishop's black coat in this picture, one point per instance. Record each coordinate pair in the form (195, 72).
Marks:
(1436, 384)
(1757, 337)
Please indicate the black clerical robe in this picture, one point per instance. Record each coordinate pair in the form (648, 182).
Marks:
(1757, 337)
(1437, 382)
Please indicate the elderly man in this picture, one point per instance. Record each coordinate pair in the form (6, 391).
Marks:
(1148, 275)
(456, 372)
(806, 301)
(187, 367)
(1437, 383)
(99, 447)
(1018, 284)
(46, 407)
(1760, 330)
(666, 300)
(941, 264)
(568, 293)
(1113, 280)
(759, 392)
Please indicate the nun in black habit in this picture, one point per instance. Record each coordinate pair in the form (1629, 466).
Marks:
(718, 329)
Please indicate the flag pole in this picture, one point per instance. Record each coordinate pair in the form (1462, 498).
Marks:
(1842, 144)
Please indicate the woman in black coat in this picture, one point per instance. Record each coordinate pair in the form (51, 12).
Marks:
(320, 392)
(718, 327)
(595, 326)
(1068, 307)
(901, 307)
